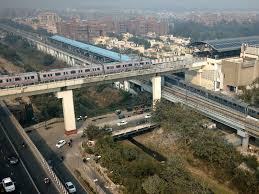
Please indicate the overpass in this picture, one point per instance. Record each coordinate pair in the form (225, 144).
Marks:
(63, 88)
(133, 131)
(244, 125)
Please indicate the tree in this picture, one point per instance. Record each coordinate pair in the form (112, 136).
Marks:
(48, 60)
(94, 132)
(154, 184)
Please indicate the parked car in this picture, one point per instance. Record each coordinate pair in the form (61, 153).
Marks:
(147, 116)
(121, 116)
(70, 187)
(108, 129)
(118, 112)
(122, 123)
(60, 143)
(13, 160)
(8, 185)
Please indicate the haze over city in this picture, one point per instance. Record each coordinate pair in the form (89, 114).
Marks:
(175, 5)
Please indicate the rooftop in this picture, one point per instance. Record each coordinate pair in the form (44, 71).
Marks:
(229, 44)
(93, 49)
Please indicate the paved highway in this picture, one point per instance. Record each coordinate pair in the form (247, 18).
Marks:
(18, 173)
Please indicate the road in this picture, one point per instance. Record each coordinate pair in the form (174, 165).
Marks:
(111, 120)
(46, 144)
(18, 173)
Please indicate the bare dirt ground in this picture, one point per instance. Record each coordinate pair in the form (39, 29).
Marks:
(6, 66)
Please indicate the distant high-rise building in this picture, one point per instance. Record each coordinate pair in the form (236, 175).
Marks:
(48, 21)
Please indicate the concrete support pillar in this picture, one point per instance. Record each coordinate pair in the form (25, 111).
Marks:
(245, 139)
(245, 143)
(126, 85)
(68, 111)
(156, 88)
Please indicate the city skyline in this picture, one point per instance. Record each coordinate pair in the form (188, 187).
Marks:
(184, 5)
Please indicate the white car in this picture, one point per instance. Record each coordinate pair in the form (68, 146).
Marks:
(60, 143)
(147, 116)
(8, 185)
(70, 187)
(122, 123)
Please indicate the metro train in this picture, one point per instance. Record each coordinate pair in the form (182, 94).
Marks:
(214, 96)
(69, 73)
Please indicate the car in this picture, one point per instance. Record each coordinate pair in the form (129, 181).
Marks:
(13, 160)
(121, 116)
(108, 129)
(70, 187)
(147, 116)
(122, 123)
(8, 185)
(60, 143)
(118, 112)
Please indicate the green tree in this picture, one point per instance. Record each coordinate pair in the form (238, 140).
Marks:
(154, 184)
(48, 60)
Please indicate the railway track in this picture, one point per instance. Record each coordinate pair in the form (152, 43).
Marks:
(250, 125)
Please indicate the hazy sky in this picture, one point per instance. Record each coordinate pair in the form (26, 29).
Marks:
(136, 4)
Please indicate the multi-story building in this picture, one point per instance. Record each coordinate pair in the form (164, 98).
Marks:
(48, 21)
(81, 30)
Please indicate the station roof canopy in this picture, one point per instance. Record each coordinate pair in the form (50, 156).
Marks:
(229, 44)
(93, 49)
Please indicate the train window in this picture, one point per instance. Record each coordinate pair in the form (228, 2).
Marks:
(44, 75)
(118, 66)
(73, 72)
(57, 74)
(98, 69)
(136, 64)
(141, 63)
(32, 77)
(87, 70)
(17, 79)
(147, 63)
(129, 65)
(1, 81)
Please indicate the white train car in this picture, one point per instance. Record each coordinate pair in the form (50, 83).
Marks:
(127, 66)
(18, 79)
(68, 73)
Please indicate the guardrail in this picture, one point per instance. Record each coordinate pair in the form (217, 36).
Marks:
(56, 181)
